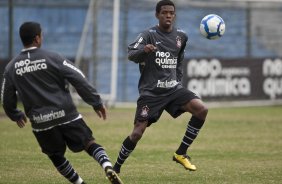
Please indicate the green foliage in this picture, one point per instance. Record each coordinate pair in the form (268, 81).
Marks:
(236, 145)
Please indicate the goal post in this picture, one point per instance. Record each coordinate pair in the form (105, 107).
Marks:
(115, 43)
(108, 97)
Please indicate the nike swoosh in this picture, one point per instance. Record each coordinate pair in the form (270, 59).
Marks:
(158, 43)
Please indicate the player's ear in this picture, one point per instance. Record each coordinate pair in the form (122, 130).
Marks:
(38, 40)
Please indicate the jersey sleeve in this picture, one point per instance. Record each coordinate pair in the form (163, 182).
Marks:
(78, 80)
(9, 99)
(136, 51)
(179, 68)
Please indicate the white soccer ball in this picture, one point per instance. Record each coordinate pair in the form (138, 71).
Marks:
(212, 27)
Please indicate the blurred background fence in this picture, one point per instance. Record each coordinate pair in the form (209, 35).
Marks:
(253, 34)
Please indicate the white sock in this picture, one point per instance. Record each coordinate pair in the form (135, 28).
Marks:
(106, 164)
(78, 181)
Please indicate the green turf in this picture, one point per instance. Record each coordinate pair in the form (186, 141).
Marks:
(236, 145)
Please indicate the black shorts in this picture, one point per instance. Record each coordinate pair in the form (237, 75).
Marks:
(76, 135)
(151, 108)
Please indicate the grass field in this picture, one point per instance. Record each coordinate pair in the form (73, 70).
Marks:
(236, 145)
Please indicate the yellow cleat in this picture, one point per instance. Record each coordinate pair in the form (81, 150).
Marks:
(112, 176)
(185, 161)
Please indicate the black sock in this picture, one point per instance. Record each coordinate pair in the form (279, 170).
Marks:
(99, 154)
(191, 133)
(126, 148)
(64, 168)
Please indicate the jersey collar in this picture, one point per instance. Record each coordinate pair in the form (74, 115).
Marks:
(29, 48)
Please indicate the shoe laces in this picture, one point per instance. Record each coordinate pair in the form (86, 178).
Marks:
(187, 156)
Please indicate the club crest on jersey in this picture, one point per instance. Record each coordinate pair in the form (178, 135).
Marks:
(144, 112)
(178, 41)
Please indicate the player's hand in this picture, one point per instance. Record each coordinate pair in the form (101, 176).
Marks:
(150, 48)
(101, 112)
(21, 122)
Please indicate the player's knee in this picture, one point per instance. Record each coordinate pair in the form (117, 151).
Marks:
(136, 136)
(139, 129)
(202, 113)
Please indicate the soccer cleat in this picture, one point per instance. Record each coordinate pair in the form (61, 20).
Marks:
(185, 161)
(112, 176)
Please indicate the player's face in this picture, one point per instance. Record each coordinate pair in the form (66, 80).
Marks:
(166, 17)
